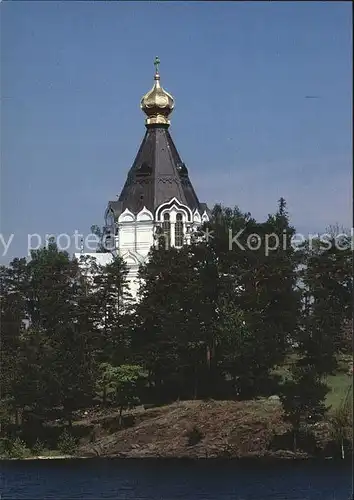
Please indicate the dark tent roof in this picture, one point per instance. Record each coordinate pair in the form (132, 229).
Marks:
(157, 175)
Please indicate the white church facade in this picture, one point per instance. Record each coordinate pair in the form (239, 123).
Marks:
(158, 204)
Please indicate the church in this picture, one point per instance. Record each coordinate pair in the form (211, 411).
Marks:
(158, 204)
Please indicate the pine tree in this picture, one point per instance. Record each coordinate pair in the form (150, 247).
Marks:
(328, 292)
(113, 308)
(13, 280)
(260, 282)
(303, 398)
(159, 317)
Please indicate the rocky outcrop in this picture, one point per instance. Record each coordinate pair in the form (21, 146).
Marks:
(195, 429)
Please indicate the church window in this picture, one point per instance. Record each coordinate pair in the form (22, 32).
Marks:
(179, 231)
(110, 219)
(166, 228)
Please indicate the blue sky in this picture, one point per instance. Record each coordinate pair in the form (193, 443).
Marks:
(73, 74)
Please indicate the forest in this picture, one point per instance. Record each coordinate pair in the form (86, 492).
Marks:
(213, 321)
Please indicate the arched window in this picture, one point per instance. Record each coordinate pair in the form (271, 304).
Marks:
(165, 239)
(179, 231)
(109, 218)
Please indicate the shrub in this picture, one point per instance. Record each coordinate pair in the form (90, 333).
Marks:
(66, 443)
(341, 426)
(19, 449)
(15, 448)
(5, 446)
(38, 448)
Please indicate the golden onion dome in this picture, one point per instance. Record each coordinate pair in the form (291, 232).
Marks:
(157, 104)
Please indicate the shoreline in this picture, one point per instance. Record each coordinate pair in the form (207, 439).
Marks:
(286, 458)
(225, 430)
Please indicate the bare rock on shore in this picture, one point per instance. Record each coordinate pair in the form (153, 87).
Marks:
(194, 429)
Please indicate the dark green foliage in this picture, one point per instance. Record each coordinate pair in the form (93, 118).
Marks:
(67, 443)
(111, 306)
(37, 448)
(13, 290)
(175, 329)
(303, 398)
(341, 426)
(14, 448)
(213, 320)
(119, 385)
(259, 285)
(53, 361)
(328, 301)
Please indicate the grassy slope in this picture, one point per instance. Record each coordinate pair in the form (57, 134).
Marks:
(340, 384)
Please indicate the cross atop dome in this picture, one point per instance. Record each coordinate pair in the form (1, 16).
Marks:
(157, 64)
(157, 104)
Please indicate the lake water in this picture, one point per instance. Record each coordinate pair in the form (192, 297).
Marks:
(172, 480)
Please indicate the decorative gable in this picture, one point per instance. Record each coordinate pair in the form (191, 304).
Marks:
(144, 215)
(126, 216)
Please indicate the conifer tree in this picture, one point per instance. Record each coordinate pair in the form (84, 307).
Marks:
(328, 295)
(113, 308)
